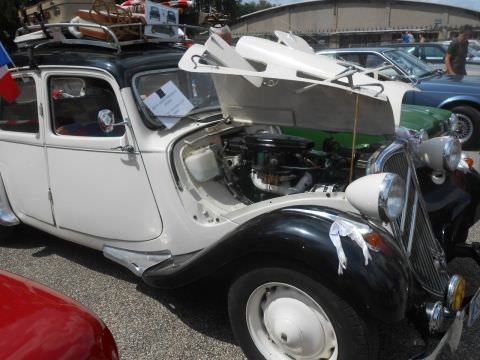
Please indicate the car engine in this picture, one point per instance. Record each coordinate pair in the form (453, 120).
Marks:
(265, 165)
(257, 166)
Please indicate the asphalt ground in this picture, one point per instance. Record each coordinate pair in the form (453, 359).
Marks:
(190, 323)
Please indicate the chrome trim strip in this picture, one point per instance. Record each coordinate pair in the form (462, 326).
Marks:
(20, 142)
(383, 156)
(69, 147)
(413, 222)
(407, 194)
(91, 149)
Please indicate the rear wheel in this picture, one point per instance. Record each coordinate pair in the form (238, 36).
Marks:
(468, 126)
(281, 314)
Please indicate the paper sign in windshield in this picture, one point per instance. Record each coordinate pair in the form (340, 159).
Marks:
(169, 104)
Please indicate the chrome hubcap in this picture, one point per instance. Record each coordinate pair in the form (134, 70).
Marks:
(465, 127)
(285, 323)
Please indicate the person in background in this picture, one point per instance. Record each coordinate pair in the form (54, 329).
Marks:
(457, 52)
(224, 32)
(421, 38)
(405, 38)
(411, 38)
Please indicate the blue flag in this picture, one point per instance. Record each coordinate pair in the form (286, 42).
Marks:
(4, 58)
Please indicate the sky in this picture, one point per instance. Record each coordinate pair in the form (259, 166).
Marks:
(468, 4)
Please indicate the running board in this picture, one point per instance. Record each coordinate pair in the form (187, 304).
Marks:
(136, 262)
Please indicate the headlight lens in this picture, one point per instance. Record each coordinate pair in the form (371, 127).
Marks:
(453, 123)
(452, 153)
(378, 196)
(392, 197)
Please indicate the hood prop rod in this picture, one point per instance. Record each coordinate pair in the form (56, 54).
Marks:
(354, 136)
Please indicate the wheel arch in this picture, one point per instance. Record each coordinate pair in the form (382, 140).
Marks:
(449, 104)
(289, 238)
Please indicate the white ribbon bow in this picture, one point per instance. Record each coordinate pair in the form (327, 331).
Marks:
(347, 229)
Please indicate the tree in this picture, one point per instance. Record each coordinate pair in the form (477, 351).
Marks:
(249, 7)
(9, 20)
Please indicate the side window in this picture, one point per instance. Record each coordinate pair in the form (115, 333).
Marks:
(373, 61)
(353, 58)
(75, 103)
(22, 114)
(433, 53)
(413, 50)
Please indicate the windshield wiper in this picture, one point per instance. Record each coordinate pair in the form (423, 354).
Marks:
(198, 109)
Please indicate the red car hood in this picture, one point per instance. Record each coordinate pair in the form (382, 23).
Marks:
(39, 323)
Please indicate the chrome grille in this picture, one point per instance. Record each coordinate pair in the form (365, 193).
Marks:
(413, 227)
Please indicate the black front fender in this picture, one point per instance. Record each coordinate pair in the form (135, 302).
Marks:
(453, 206)
(301, 235)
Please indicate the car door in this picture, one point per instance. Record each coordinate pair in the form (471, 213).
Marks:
(98, 180)
(23, 165)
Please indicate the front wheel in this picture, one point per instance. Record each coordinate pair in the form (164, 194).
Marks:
(282, 314)
(468, 130)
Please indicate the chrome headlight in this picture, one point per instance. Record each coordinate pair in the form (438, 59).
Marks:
(392, 197)
(440, 153)
(453, 123)
(452, 153)
(380, 196)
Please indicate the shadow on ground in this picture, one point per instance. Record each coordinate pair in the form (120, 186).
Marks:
(201, 306)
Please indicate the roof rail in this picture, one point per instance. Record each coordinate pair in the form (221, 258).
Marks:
(38, 35)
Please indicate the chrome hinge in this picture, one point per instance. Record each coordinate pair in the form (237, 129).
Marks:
(40, 109)
(50, 196)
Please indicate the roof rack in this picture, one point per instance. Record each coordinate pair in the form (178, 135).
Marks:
(35, 36)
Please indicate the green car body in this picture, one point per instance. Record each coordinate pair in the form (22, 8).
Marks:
(415, 117)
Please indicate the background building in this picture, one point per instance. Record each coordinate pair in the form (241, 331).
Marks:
(340, 23)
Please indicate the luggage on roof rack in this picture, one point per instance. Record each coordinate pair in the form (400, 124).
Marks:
(106, 36)
(105, 24)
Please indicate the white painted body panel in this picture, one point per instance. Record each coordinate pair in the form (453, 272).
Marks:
(104, 197)
(25, 176)
(103, 194)
(293, 41)
(98, 191)
(285, 63)
(24, 170)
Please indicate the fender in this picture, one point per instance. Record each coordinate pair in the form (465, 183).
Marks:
(453, 206)
(7, 216)
(300, 234)
(459, 99)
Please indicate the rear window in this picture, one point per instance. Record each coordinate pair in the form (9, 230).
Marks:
(22, 114)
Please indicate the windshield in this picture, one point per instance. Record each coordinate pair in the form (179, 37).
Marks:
(408, 63)
(175, 92)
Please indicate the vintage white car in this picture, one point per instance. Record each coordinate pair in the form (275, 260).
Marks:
(121, 151)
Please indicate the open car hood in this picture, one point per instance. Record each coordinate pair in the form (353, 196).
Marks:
(295, 87)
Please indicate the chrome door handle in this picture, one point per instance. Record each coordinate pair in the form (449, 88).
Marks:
(126, 148)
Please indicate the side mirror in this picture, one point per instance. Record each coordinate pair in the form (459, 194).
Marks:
(106, 120)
